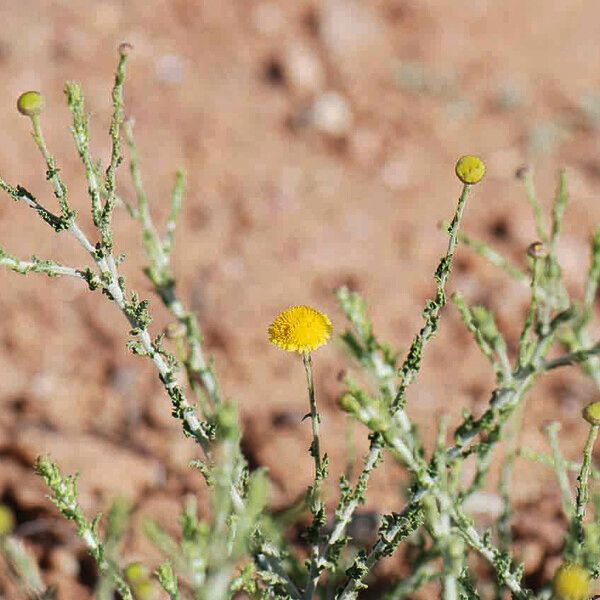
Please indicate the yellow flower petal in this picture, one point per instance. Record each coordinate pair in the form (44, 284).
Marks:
(300, 329)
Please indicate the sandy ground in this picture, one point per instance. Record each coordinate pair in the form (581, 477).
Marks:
(319, 139)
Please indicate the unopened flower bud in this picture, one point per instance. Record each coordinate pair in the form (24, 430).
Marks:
(31, 103)
(125, 48)
(470, 169)
(136, 572)
(537, 250)
(7, 520)
(572, 582)
(591, 413)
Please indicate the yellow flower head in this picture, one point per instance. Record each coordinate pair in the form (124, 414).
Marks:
(31, 103)
(300, 329)
(591, 413)
(470, 169)
(572, 582)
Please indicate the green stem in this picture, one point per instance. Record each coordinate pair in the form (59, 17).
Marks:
(412, 364)
(582, 497)
(560, 467)
(315, 500)
(538, 213)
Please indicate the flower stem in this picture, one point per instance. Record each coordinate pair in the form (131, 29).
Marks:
(315, 501)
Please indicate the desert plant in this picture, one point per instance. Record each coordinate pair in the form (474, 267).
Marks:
(242, 547)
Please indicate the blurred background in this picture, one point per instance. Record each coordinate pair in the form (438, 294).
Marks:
(319, 138)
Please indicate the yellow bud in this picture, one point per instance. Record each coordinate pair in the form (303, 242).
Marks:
(470, 169)
(31, 103)
(145, 590)
(136, 572)
(572, 582)
(7, 520)
(591, 413)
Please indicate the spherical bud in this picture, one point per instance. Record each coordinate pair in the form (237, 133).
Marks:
(125, 48)
(31, 103)
(537, 250)
(572, 582)
(7, 520)
(470, 169)
(146, 590)
(591, 413)
(136, 572)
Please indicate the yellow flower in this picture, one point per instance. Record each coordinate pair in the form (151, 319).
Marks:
(572, 582)
(300, 329)
(30, 104)
(470, 169)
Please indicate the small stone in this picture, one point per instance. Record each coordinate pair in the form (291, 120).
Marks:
(304, 70)
(170, 69)
(331, 114)
(395, 174)
(522, 172)
(64, 562)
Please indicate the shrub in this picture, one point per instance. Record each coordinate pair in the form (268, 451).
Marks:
(242, 547)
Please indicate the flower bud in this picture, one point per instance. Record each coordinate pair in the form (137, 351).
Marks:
(571, 582)
(591, 413)
(7, 520)
(136, 572)
(125, 48)
(470, 169)
(31, 103)
(537, 250)
(146, 590)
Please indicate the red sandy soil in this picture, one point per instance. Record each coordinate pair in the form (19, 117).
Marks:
(282, 208)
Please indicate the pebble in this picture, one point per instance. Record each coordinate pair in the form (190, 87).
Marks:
(64, 562)
(304, 71)
(169, 68)
(331, 114)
